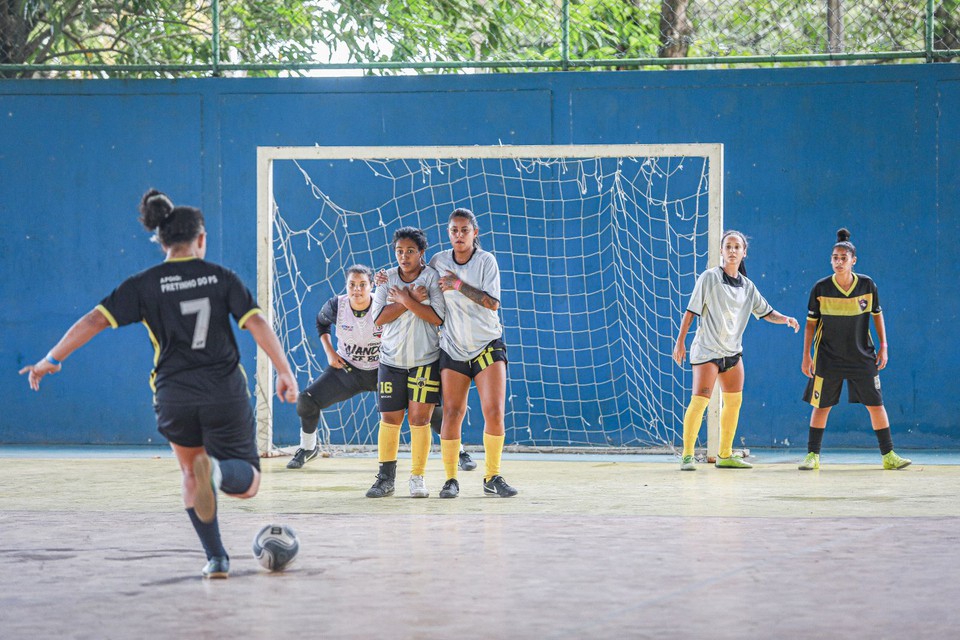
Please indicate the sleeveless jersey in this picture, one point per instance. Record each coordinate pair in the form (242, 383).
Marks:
(358, 338)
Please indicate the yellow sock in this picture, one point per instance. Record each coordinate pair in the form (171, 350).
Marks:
(691, 423)
(729, 416)
(420, 441)
(450, 452)
(492, 451)
(388, 442)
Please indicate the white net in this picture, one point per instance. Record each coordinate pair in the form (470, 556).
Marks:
(597, 256)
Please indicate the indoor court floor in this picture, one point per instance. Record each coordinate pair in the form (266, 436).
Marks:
(96, 545)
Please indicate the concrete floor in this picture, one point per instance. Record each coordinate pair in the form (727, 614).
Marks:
(592, 548)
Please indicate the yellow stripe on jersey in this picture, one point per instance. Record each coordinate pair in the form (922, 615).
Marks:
(853, 284)
(247, 316)
(156, 356)
(106, 314)
(846, 306)
(816, 343)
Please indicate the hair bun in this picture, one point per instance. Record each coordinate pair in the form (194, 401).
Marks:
(843, 235)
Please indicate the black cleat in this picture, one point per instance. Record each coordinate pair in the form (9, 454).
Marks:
(451, 489)
(497, 486)
(466, 462)
(217, 567)
(302, 457)
(382, 487)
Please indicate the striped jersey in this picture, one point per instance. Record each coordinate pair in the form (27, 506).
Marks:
(186, 305)
(469, 327)
(724, 305)
(842, 344)
(358, 338)
(409, 341)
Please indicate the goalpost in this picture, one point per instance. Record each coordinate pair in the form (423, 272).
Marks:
(599, 247)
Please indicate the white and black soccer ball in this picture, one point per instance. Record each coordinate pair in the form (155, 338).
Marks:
(276, 546)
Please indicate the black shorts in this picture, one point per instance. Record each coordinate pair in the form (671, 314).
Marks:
(399, 387)
(496, 351)
(227, 429)
(825, 392)
(724, 364)
(336, 385)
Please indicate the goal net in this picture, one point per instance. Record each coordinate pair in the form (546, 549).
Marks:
(599, 247)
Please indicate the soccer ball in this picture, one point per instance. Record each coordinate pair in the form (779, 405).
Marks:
(275, 546)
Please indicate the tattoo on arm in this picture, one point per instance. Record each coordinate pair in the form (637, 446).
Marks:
(481, 298)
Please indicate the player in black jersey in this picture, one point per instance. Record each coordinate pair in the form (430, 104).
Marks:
(200, 390)
(838, 327)
(353, 363)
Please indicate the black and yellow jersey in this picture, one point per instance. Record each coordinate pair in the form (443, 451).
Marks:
(842, 344)
(186, 305)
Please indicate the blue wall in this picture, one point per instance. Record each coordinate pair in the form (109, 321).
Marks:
(806, 151)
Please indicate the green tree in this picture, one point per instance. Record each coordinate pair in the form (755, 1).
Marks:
(152, 32)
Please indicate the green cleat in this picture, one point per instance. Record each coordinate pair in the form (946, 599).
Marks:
(892, 461)
(810, 463)
(732, 463)
(686, 464)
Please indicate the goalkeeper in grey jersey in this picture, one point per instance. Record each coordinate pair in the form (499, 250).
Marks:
(471, 348)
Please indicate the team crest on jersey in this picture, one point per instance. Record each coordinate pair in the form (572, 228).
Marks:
(863, 304)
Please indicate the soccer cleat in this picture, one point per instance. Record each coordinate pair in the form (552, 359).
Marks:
(732, 463)
(217, 567)
(207, 471)
(686, 464)
(810, 463)
(451, 489)
(417, 487)
(892, 461)
(466, 462)
(302, 457)
(497, 486)
(382, 487)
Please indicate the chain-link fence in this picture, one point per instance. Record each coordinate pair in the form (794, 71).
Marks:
(151, 38)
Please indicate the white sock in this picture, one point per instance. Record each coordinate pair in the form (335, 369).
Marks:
(461, 447)
(308, 441)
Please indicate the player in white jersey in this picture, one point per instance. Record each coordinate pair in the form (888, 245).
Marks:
(471, 348)
(723, 299)
(409, 307)
(353, 363)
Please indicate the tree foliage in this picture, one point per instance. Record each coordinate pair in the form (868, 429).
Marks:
(394, 33)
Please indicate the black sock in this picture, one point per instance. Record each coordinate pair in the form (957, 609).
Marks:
(885, 440)
(209, 535)
(814, 440)
(237, 476)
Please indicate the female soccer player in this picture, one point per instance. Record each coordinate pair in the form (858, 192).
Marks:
(200, 390)
(723, 299)
(353, 364)
(838, 327)
(408, 377)
(471, 348)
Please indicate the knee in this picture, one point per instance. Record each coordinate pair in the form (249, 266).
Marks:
(454, 412)
(307, 407)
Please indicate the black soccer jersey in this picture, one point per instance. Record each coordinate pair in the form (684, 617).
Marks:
(842, 344)
(186, 307)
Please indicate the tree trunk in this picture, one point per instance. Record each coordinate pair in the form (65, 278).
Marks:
(675, 30)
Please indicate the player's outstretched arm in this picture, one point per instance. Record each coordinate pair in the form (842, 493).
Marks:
(778, 318)
(76, 336)
(267, 340)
